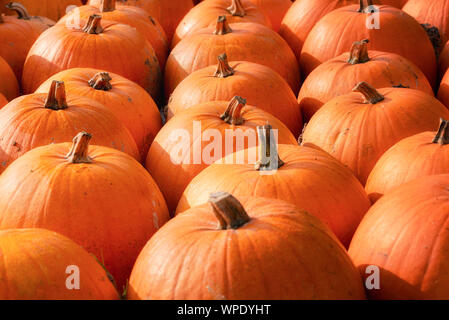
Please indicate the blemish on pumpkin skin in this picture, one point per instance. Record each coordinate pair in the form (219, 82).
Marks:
(155, 221)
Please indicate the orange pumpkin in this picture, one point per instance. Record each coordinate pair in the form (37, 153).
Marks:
(40, 24)
(132, 16)
(306, 177)
(52, 9)
(339, 75)
(9, 86)
(168, 12)
(37, 265)
(127, 100)
(99, 197)
(39, 119)
(424, 154)
(274, 9)
(260, 85)
(358, 128)
(205, 15)
(3, 100)
(198, 136)
(443, 62)
(261, 249)
(406, 235)
(390, 30)
(243, 42)
(100, 44)
(443, 92)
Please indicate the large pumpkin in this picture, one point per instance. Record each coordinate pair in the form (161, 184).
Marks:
(406, 236)
(127, 100)
(260, 85)
(389, 29)
(39, 119)
(104, 45)
(339, 75)
(40, 24)
(52, 9)
(306, 177)
(205, 15)
(99, 197)
(38, 264)
(424, 154)
(261, 249)
(133, 16)
(274, 9)
(243, 42)
(9, 86)
(198, 136)
(357, 128)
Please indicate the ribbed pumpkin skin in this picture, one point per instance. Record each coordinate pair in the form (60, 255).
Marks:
(26, 124)
(406, 234)
(173, 178)
(119, 48)
(398, 33)
(111, 206)
(205, 15)
(260, 85)
(127, 100)
(53, 9)
(341, 127)
(281, 253)
(168, 12)
(409, 159)
(135, 17)
(34, 264)
(337, 77)
(9, 86)
(309, 179)
(274, 9)
(247, 42)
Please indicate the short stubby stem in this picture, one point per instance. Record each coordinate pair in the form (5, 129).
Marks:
(224, 70)
(269, 159)
(228, 210)
(442, 136)
(371, 95)
(79, 150)
(233, 113)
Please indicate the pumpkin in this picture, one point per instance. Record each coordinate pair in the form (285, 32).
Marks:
(39, 119)
(132, 16)
(243, 42)
(260, 85)
(127, 100)
(420, 155)
(405, 234)
(274, 9)
(205, 15)
(99, 197)
(443, 92)
(9, 86)
(305, 177)
(105, 45)
(3, 100)
(261, 249)
(390, 30)
(39, 23)
(200, 135)
(37, 265)
(52, 9)
(339, 75)
(443, 62)
(357, 128)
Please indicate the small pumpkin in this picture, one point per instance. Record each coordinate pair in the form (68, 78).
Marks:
(243, 42)
(101, 198)
(9, 86)
(195, 138)
(37, 264)
(204, 15)
(405, 235)
(39, 23)
(261, 249)
(339, 75)
(99, 44)
(274, 9)
(260, 85)
(357, 128)
(52, 9)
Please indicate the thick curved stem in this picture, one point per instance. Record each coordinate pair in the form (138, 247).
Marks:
(224, 70)
(371, 95)
(107, 5)
(228, 210)
(269, 159)
(236, 8)
(101, 81)
(233, 113)
(80, 147)
(93, 25)
(56, 98)
(21, 11)
(222, 26)
(442, 136)
(359, 52)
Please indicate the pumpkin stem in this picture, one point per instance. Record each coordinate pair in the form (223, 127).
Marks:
(228, 210)
(56, 98)
(93, 25)
(236, 8)
(222, 26)
(19, 9)
(362, 5)
(442, 136)
(233, 113)
(101, 81)
(268, 153)
(223, 69)
(359, 52)
(80, 146)
(107, 5)
(371, 95)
